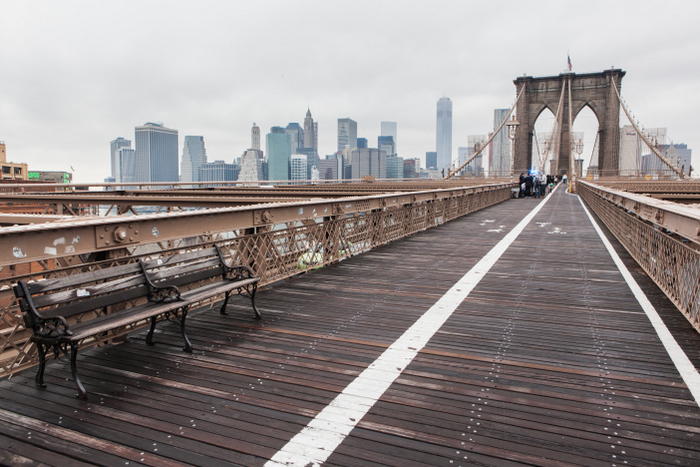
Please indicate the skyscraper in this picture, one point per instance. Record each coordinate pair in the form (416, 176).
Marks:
(444, 134)
(127, 164)
(279, 153)
(299, 170)
(251, 167)
(310, 129)
(431, 160)
(194, 155)
(389, 129)
(255, 137)
(297, 134)
(386, 143)
(156, 154)
(115, 146)
(368, 161)
(347, 134)
(501, 146)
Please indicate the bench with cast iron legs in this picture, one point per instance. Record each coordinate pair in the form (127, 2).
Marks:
(122, 297)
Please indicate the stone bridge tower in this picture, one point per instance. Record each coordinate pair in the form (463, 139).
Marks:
(591, 89)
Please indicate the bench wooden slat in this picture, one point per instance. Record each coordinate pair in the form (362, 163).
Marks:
(97, 303)
(184, 269)
(180, 257)
(116, 320)
(76, 280)
(86, 292)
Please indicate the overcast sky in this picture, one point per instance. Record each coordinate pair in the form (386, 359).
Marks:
(74, 75)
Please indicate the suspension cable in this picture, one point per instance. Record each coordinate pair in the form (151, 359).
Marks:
(488, 141)
(556, 126)
(641, 134)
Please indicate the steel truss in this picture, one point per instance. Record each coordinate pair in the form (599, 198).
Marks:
(276, 241)
(661, 236)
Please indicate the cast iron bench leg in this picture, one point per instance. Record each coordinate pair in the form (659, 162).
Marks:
(188, 344)
(252, 299)
(82, 393)
(39, 380)
(149, 337)
(223, 305)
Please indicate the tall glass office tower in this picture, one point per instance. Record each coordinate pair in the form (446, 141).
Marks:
(114, 147)
(347, 134)
(279, 153)
(194, 155)
(156, 154)
(444, 134)
(389, 129)
(500, 166)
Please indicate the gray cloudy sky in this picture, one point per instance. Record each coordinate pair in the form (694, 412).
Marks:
(77, 74)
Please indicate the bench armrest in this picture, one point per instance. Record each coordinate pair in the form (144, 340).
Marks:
(233, 273)
(159, 293)
(44, 327)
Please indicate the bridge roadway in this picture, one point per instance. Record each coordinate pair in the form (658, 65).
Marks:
(549, 360)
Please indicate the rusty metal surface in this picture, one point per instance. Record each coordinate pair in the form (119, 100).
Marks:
(276, 240)
(679, 219)
(84, 236)
(644, 226)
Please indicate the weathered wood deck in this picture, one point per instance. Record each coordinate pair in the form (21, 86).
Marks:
(549, 361)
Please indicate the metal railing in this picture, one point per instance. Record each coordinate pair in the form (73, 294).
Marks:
(663, 238)
(275, 240)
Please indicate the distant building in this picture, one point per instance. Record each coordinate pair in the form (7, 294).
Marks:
(361, 143)
(411, 168)
(114, 147)
(156, 154)
(389, 129)
(630, 151)
(50, 176)
(218, 171)
(394, 167)
(255, 137)
(329, 168)
(11, 170)
(386, 143)
(310, 130)
(299, 167)
(296, 132)
(193, 156)
(444, 134)
(431, 160)
(499, 164)
(475, 167)
(251, 167)
(347, 134)
(368, 161)
(126, 159)
(678, 154)
(279, 154)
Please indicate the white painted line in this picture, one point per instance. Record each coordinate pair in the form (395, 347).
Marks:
(680, 359)
(317, 441)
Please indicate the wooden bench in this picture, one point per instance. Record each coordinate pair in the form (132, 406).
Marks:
(121, 297)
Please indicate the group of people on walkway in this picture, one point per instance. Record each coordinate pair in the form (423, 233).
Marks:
(536, 184)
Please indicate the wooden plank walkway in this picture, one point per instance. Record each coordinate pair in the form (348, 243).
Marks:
(549, 361)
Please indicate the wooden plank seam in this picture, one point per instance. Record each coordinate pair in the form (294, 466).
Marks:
(683, 364)
(317, 441)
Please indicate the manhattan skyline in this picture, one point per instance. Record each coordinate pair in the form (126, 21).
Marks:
(63, 99)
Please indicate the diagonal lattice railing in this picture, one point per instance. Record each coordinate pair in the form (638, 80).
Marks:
(274, 252)
(660, 238)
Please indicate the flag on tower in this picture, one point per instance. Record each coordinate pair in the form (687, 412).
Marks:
(568, 57)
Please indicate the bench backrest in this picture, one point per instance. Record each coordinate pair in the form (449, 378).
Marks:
(79, 293)
(186, 268)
